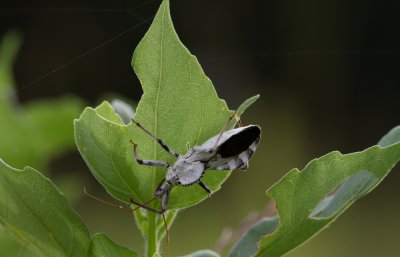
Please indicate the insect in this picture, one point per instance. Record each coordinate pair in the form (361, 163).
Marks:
(229, 150)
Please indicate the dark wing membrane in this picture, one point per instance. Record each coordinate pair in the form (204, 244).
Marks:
(239, 162)
(239, 142)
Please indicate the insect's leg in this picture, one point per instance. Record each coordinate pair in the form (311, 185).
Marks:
(163, 145)
(147, 207)
(239, 120)
(245, 166)
(164, 200)
(205, 187)
(147, 162)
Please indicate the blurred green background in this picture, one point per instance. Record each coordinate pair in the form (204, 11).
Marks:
(328, 75)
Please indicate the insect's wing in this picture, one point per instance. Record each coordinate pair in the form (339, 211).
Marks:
(235, 148)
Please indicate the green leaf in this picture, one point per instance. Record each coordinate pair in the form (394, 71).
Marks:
(11, 247)
(246, 104)
(102, 246)
(304, 199)
(247, 245)
(35, 133)
(52, 124)
(38, 214)
(179, 105)
(203, 253)
(9, 47)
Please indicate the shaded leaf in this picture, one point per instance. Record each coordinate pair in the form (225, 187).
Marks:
(11, 247)
(35, 133)
(102, 246)
(9, 47)
(31, 134)
(300, 196)
(247, 245)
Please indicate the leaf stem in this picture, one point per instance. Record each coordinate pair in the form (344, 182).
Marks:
(151, 242)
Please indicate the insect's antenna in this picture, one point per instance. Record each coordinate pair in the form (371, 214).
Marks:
(224, 128)
(143, 205)
(125, 209)
(166, 234)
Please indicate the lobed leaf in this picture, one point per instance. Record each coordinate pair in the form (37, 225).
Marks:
(305, 201)
(179, 105)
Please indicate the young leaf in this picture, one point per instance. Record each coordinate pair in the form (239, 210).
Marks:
(246, 104)
(38, 214)
(304, 201)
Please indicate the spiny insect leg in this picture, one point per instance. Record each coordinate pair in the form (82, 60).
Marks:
(205, 187)
(147, 207)
(147, 162)
(163, 145)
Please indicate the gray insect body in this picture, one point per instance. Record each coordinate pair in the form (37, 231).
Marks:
(229, 150)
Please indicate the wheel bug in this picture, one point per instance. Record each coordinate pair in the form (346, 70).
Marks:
(229, 150)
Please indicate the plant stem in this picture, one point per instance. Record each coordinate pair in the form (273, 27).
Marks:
(151, 242)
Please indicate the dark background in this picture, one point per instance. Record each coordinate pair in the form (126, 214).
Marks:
(327, 71)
